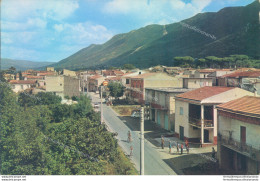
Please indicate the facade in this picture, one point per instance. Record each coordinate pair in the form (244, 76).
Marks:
(196, 113)
(21, 85)
(151, 80)
(238, 135)
(63, 85)
(195, 83)
(94, 82)
(203, 73)
(235, 79)
(69, 73)
(162, 105)
(218, 73)
(50, 69)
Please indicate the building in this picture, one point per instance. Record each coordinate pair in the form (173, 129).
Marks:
(239, 135)
(50, 69)
(196, 113)
(203, 73)
(63, 85)
(69, 73)
(21, 85)
(112, 73)
(235, 79)
(194, 83)
(94, 82)
(162, 105)
(151, 80)
(218, 73)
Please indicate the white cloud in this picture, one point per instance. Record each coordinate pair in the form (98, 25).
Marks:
(17, 10)
(82, 33)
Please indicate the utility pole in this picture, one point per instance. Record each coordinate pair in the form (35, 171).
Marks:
(142, 141)
(101, 107)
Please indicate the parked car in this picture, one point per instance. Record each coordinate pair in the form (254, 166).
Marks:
(136, 114)
(96, 105)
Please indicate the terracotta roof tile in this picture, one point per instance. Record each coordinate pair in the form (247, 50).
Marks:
(143, 75)
(242, 74)
(203, 93)
(247, 104)
(22, 81)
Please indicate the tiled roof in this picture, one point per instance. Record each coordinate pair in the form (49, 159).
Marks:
(95, 76)
(22, 82)
(34, 77)
(169, 89)
(113, 78)
(143, 75)
(243, 74)
(207, 70)
(247, 104)
(203, 93)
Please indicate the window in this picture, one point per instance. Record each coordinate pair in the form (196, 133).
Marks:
(127, 81)
(181, 110)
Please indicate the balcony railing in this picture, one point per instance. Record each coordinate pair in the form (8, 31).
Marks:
(197, 122)
(244, 148)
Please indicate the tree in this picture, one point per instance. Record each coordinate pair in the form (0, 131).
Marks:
(128, 67)
(186, 61)
(116, 89)
(47, 98)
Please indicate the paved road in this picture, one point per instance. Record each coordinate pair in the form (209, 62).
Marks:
(154, 165)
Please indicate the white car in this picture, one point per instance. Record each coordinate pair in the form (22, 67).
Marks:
(136, 115)
(96, 105)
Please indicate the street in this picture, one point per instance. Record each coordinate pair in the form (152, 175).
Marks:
(154, 164)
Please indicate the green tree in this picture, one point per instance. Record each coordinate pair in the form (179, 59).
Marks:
(128, 67)
(116, 89)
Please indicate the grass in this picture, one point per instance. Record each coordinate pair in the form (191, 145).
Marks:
(125, 110)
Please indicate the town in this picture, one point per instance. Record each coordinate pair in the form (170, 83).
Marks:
(202, 121)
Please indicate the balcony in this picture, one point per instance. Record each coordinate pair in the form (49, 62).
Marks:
(238, 146)
(197, 123)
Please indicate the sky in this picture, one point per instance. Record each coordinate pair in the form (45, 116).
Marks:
(51, 30)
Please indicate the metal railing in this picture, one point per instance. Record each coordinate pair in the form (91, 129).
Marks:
(197, 122)
(241, 147)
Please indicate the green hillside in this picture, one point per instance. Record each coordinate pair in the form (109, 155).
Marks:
(21, 64)
(236, 30)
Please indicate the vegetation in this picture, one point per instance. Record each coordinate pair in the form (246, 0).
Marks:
(159, 44)
(116, 89)
(41, 136)
(233, 61)
(128, 67)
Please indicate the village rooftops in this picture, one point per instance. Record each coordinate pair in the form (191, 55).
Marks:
(203, 93)
(141, 76)
(248, 105)
(95, 77)
(22, 82)
(242, 74)
(169, 89)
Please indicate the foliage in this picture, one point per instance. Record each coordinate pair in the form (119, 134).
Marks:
(116, 89)
(75, 98)
(128, 67)
(50, 138)
(233, 61)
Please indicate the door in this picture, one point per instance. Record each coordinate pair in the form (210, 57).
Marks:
(153, 115)
(181, 133)
(166, 121)
(206, 136)
(158, 118)
(243, 134)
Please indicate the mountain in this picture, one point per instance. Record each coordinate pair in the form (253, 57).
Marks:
(22, 64)
(236, 31)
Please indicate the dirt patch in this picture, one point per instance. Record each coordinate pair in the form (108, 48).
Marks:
(125, 110)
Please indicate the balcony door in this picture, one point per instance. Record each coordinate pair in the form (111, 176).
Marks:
(242, 134)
